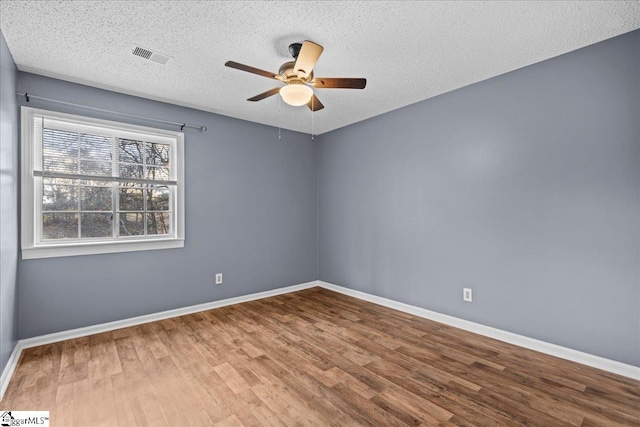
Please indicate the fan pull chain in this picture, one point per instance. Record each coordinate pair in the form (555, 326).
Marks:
(312, 108)
(279, 117)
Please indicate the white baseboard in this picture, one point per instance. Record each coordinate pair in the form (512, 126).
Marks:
(508, 337)
(7, 373)
(153, 317)
(124, 323)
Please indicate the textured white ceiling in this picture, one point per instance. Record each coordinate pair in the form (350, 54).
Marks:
(408, 51)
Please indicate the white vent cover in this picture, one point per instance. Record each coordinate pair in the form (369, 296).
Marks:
(150, 55)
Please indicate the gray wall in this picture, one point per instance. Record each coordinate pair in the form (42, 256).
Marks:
(251, 213)
(524, 187)
(8, 205)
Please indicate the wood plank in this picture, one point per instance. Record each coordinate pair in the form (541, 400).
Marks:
(312, 357)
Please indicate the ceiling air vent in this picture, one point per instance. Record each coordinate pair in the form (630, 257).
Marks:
(150, 55)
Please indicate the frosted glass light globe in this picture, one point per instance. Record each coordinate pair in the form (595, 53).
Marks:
(296, 94)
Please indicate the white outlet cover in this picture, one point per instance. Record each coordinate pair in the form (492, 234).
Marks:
(219, 279)
(467, 294)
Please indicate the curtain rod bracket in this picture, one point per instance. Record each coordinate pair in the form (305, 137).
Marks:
(182, 127)
(26, 96)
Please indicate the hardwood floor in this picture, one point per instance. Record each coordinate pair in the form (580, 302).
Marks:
(313, 357)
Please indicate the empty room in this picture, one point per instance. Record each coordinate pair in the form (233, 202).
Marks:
(319, 213)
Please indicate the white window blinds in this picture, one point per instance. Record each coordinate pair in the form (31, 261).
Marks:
(64, 149)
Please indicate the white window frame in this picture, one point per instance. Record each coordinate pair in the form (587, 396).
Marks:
(31, 191)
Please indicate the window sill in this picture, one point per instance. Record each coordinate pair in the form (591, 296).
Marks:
(93, 248)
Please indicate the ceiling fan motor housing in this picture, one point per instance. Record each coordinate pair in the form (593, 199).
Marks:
(286, 71)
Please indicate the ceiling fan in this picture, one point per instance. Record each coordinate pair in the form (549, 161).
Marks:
(298, 77)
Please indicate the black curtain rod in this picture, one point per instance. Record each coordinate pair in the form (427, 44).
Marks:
(27, 97)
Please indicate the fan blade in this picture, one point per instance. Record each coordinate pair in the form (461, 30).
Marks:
(307, 58)
(252, 70)
(315, 104)
(338, 83)
(264, 95)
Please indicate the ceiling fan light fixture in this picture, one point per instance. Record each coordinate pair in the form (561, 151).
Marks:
(298, 77)
(296, 94)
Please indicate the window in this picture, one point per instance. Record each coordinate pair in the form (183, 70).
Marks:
(93, 186)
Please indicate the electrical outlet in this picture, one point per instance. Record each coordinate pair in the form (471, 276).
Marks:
(467, 294)
(219, 279)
